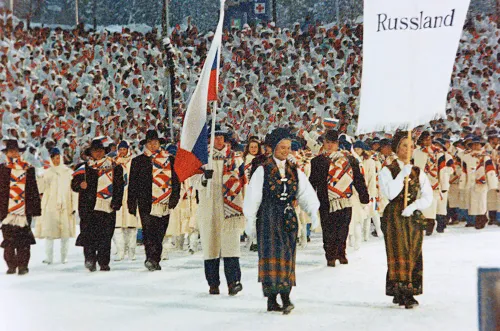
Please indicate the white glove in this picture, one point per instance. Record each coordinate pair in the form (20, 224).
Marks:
(409, 210)
(407, 170)
(250, 228)
(314, 221)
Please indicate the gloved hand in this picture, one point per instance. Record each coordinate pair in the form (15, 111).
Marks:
(315, 223)
(250, 228)
(208, 173)
(409, 210)
(407, 170)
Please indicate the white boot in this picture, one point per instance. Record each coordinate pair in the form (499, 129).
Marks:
(49, 251)
(357, 236)
(64, 250)
(120, 244)
(164, 252)
(366, 228)
(180, 242)
(193, 242)
(378, 229)
(303, 236)
(131, 239)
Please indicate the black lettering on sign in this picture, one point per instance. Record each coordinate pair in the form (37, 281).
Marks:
(420, 22)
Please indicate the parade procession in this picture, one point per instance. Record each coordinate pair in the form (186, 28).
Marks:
(281, 155)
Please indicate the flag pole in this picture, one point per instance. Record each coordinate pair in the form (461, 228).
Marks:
(407, 178)
(215, 104)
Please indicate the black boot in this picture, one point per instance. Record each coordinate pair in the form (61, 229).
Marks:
(11, 271)
(150, 265)
(412, 300)
(254, 248)
(234, 288)
(409, 301)
(398, 297)
(343, 260)
(91, 266)
(287, 304)
(22, 271)
(214, 290)
(105, 268)
(272, 304)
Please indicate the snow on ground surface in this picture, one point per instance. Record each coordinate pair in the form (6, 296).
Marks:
(67, 297)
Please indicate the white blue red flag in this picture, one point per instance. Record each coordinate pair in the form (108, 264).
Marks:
(193, 151)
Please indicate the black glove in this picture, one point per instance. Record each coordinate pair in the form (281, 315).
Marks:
(208, 173)
(204, 182)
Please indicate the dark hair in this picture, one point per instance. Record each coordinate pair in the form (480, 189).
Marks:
(400, 135)
(247, 148)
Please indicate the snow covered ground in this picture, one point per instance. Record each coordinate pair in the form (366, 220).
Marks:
(67, 297)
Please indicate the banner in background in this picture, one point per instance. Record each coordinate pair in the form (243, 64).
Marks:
(409, 48)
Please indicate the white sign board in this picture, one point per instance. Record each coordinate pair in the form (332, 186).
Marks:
(409, 48)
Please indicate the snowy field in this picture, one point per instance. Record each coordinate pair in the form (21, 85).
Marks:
(67, 297)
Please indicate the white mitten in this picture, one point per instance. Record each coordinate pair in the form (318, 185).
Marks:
(407, 170)
(409, 210)
(250, 228)
(314, 221)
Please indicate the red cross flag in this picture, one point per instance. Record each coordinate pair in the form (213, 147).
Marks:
(260, 8)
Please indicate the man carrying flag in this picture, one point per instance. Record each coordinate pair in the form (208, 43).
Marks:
(99, 183)
(220, 218)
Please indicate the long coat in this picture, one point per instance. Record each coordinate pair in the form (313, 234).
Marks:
(140, 191)
(58, 219)
(32, 196)
(220, 237)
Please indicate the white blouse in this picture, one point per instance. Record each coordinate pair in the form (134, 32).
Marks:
(392, 187)
(306, 195)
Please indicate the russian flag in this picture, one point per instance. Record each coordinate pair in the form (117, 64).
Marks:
(193, 151)
(79, 171)
(330, 123)
(212, 83)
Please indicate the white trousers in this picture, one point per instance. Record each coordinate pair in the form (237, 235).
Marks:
(126, 241)
(49, 250)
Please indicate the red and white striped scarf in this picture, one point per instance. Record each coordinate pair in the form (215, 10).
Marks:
(104, 168)
(162, 181)
(340, 180)
(18, 174)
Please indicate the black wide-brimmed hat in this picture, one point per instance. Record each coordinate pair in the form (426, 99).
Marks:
(476, 140)
(152, 135)
(96, 144)
(331, 135)
(12, 144)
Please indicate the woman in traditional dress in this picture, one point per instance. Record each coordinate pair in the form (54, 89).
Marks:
(274, 188)
(403, 227)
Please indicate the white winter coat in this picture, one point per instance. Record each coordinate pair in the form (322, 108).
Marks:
(58, 219)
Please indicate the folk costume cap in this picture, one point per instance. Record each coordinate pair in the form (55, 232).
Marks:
(277, 136)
